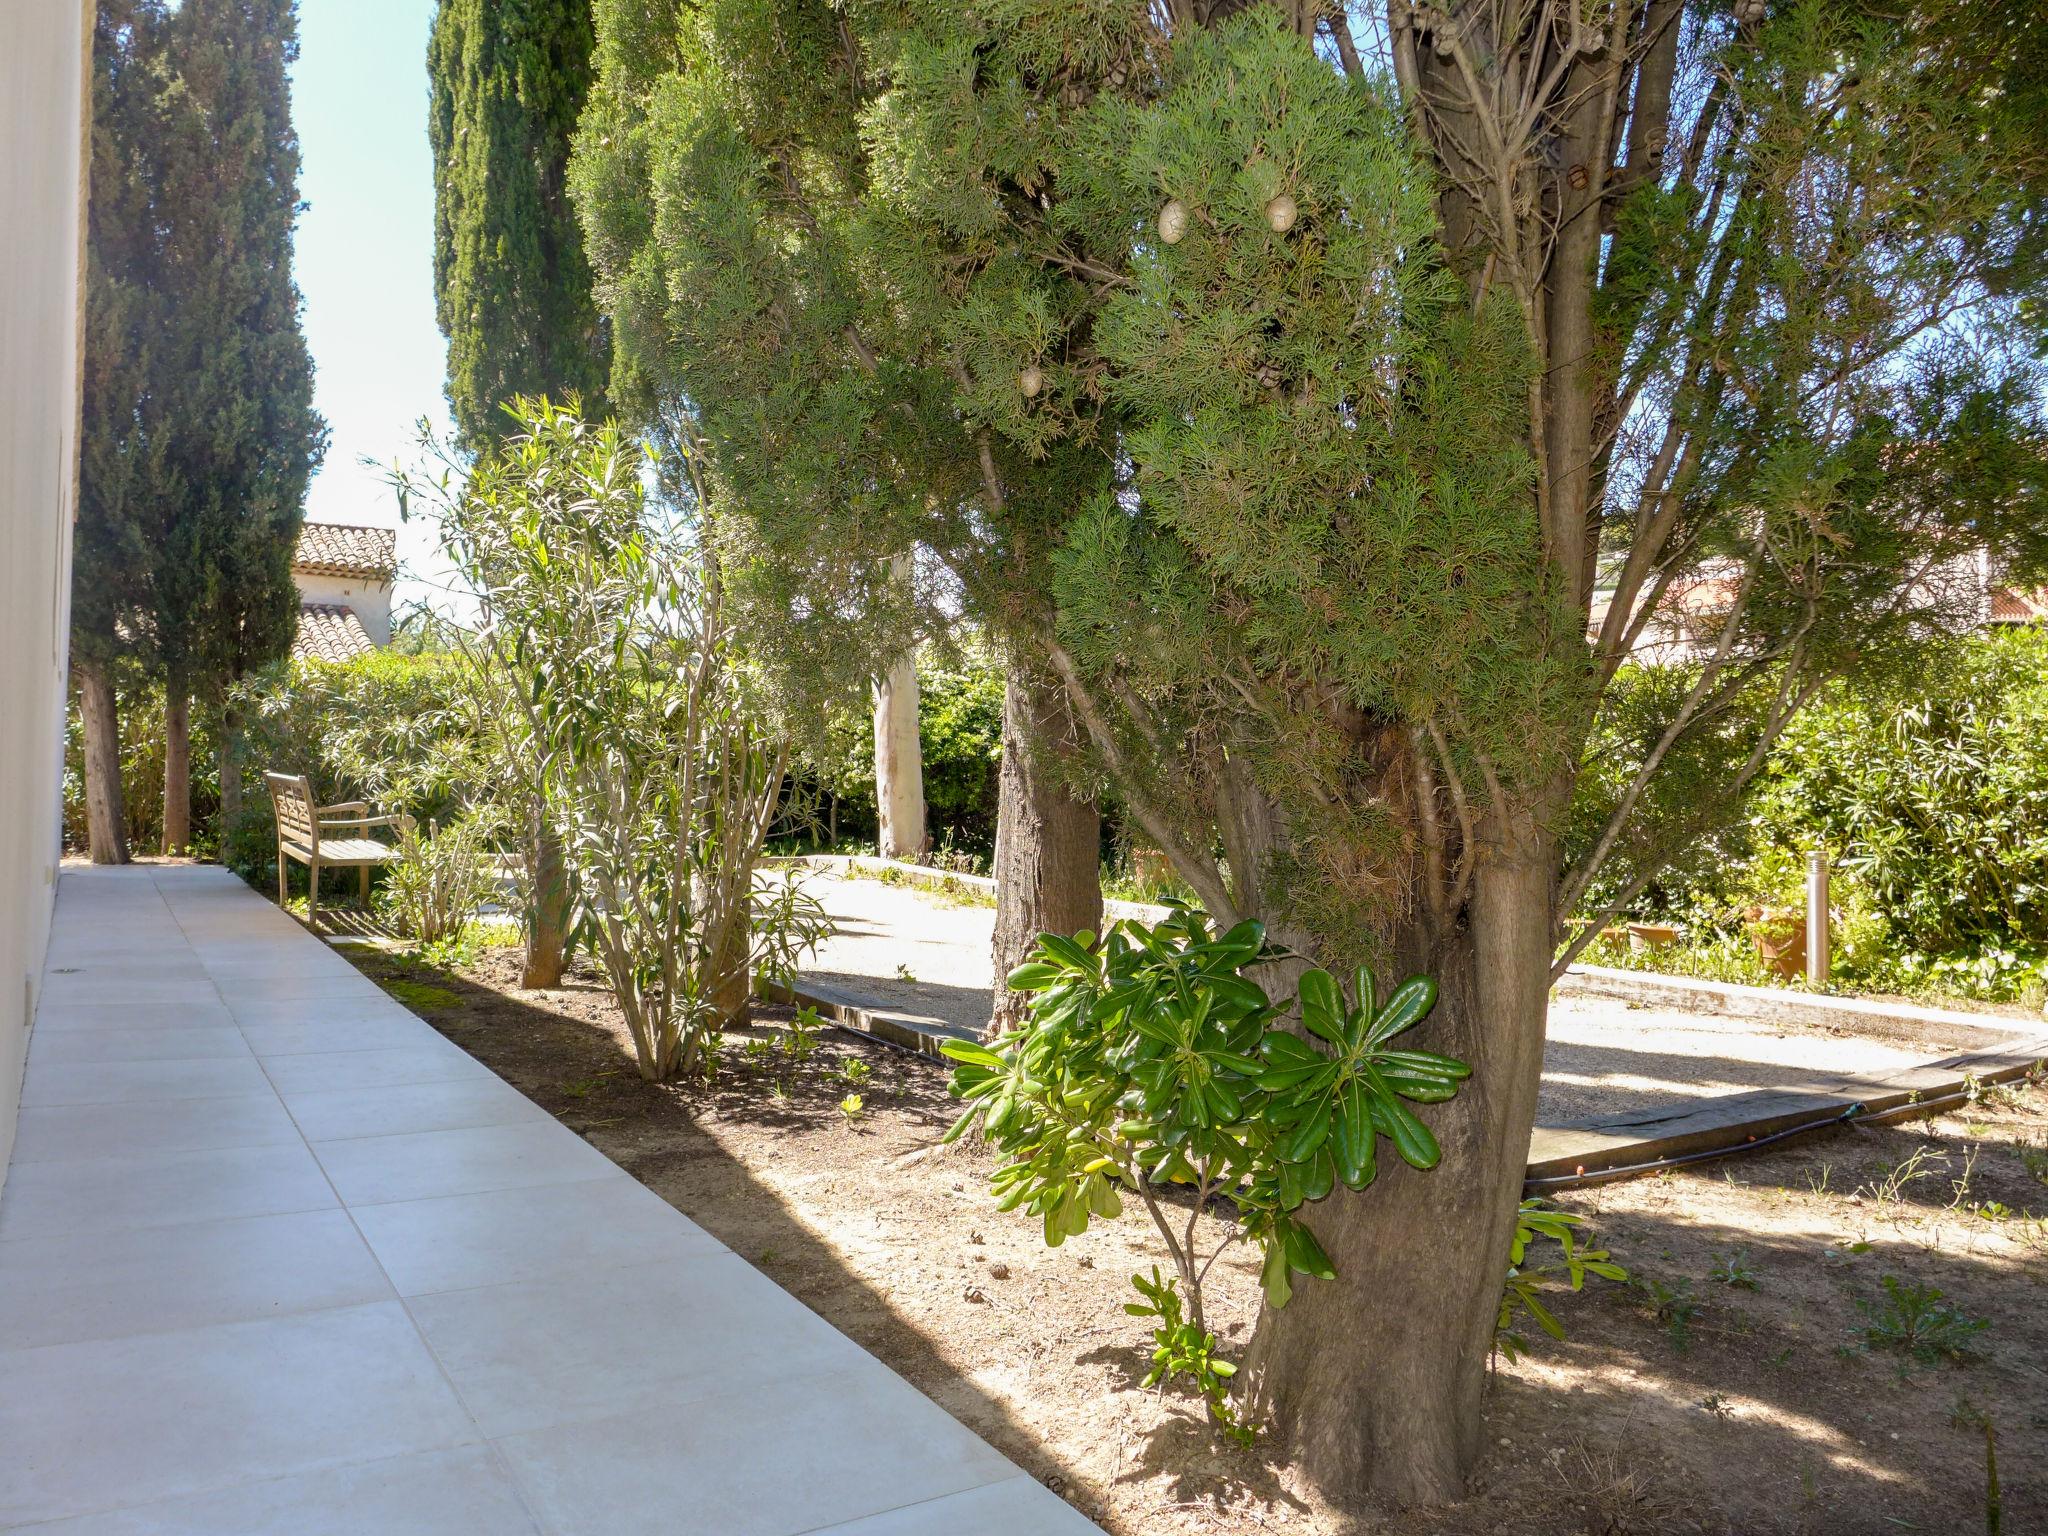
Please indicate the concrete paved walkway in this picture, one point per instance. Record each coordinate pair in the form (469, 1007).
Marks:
(277, 1258)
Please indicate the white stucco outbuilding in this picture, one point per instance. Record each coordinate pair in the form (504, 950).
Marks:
(344, 573)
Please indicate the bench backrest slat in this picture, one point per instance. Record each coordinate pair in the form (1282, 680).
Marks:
(291, 797)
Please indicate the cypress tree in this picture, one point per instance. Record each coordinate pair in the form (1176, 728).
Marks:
(511, 285)
(232, 377)
(112, 543)
(512, 288)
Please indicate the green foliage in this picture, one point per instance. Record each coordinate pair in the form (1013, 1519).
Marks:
(140, 715)
(1930, 790)
(511, 286)
(1673, 1308)
(200, 433)
(1734, 1270)
(1151, 1060)
(601, 626)
(400, 731)
(960, 738)
(1916, 1319)
(1935, 795)
(441, 878)
(421, 996)
(1183, 1349)
(1521, 1294)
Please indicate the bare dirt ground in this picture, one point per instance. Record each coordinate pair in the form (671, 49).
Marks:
(1731, 1410)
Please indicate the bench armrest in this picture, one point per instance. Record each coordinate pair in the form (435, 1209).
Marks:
(341, 805)
(362, 821)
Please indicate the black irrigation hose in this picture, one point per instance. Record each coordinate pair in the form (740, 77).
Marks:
(1854, 1114)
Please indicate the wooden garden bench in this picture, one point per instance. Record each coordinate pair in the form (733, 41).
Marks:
(306, 832)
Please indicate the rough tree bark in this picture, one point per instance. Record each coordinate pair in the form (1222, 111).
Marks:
(177, 766)
(1048, 839)
(899, 762)
(230, 772)
(547, 924)
(1374, 1379)
(106, 816)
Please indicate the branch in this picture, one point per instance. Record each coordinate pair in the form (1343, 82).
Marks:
(1197, 868)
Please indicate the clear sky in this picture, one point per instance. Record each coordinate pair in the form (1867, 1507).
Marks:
(364, 257)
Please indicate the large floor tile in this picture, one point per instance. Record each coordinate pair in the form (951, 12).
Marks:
(388, 1029)
(168, 1010)
(463, 1241)
(112, 1193)
(1016, 1506)
(435, 1063)
(143, 985)
(595, 1345)
(756, 1461)
(64, 1132)
(104, 1285)
(331, 1114)
(420, 1165)
(324, 988)
(463, 1492)
(103, 1045)
(106, 1423)
(127, 1082)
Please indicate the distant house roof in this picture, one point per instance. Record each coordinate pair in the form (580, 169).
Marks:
(347, 549)
(329, 632)
(2011, 605)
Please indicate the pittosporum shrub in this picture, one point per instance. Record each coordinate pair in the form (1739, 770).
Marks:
(1151, 1066)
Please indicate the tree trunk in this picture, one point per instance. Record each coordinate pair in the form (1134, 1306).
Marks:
(1373, 1380)
(1048, 839)
(899, 762)
(106, 817)
(547, 921)
(230, 777)
(177, 767)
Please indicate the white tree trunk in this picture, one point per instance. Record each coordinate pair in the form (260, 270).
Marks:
(899, 760)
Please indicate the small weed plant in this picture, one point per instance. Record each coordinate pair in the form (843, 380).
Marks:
(1918, 1320)
(1673, 1309)
(801, 1041)
(1519, 1296)
(1151, 1064)
(1734, 1270)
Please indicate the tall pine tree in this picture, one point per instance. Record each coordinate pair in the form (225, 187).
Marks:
(512, 290)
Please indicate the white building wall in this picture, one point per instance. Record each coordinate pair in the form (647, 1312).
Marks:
(371, 600)
(43, 100)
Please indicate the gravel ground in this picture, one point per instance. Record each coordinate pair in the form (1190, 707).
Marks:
(926, 952)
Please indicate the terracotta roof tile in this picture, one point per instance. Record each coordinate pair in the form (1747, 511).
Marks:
(330, 632)
(2010, 605)
(347, 549)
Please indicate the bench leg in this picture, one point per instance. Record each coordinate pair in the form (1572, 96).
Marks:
(280, 872)
(313, 895)
(366, 887)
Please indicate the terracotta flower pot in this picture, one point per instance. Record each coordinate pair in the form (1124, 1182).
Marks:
(1779, 934)
(1643, 937)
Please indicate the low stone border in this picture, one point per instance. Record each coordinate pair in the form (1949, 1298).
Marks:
(1601, 1147)
(1598, 1148)
(1776, 1005)
(855, 865)
(912, 1031)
